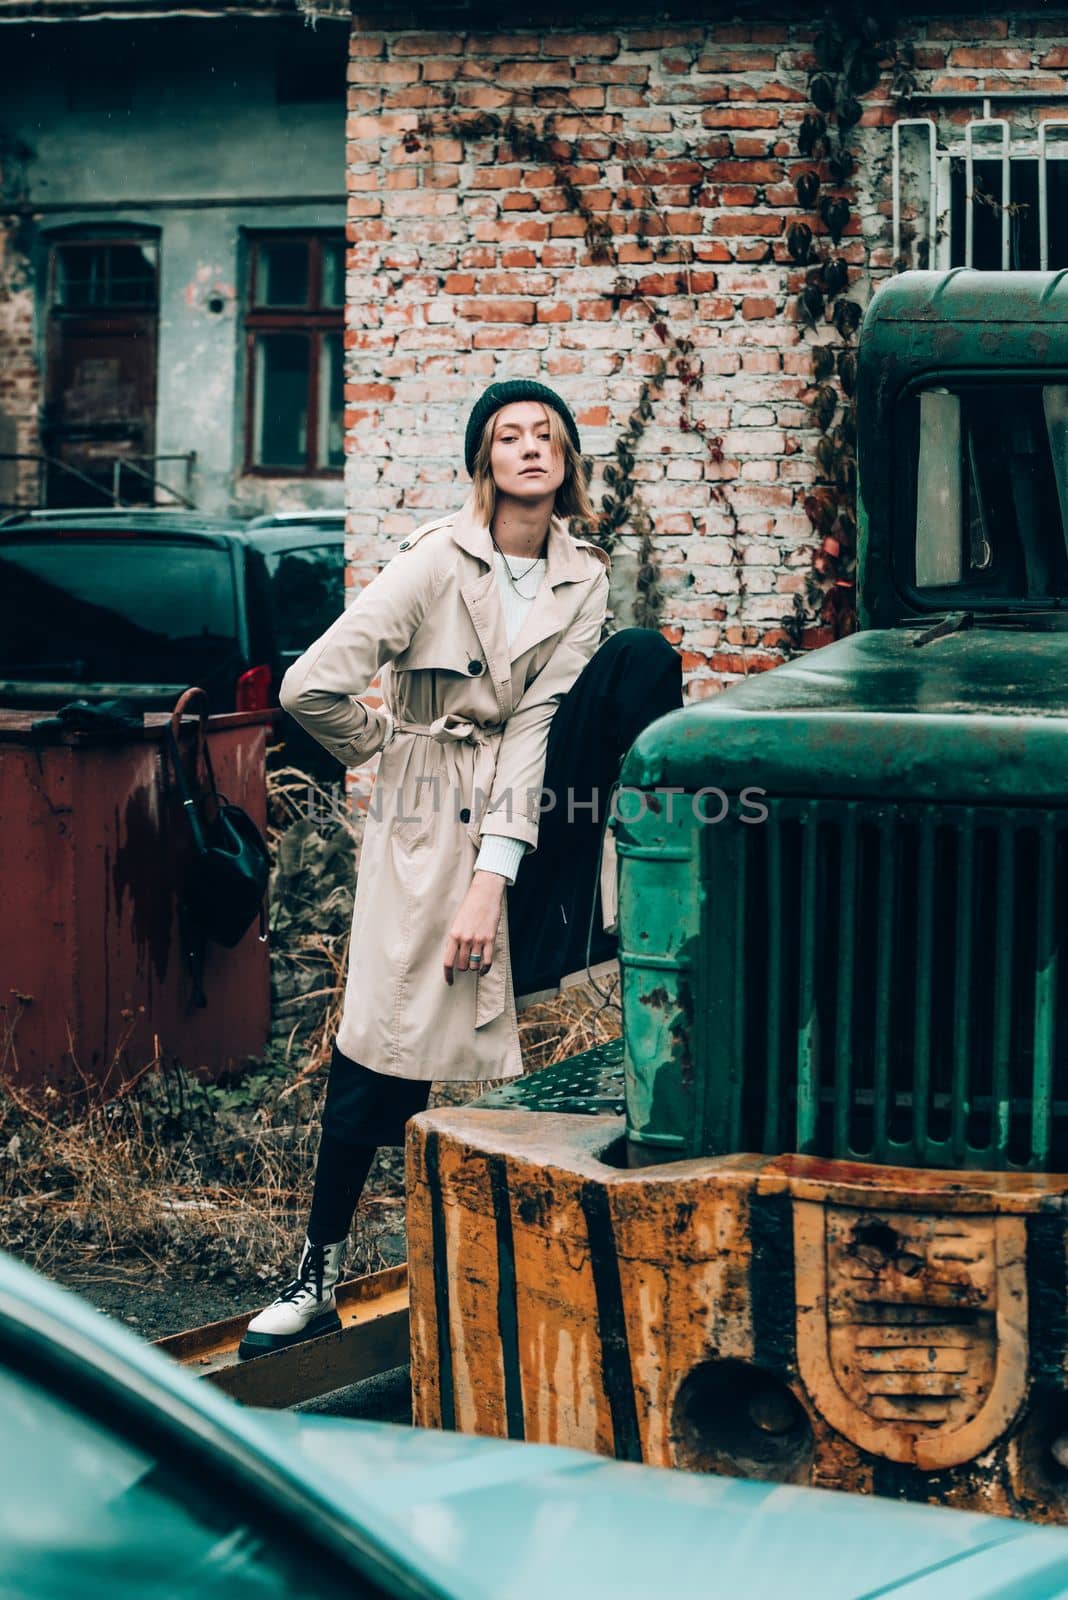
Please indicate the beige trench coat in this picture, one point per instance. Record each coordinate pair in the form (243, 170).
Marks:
(465, 757)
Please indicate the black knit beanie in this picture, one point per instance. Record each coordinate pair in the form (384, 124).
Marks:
(504, 394)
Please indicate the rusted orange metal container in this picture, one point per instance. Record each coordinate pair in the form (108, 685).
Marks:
(93, 981)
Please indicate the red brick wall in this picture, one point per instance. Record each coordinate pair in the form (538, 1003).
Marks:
(19, 373)
(467, 264)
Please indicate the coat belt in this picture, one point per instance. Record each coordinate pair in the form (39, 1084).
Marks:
(452, 729)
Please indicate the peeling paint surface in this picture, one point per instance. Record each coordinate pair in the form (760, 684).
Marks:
(871, 1329)
(202, 150)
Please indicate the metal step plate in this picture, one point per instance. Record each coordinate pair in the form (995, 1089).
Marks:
(589, 1085)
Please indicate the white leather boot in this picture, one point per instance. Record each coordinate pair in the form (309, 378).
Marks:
(305, 1309)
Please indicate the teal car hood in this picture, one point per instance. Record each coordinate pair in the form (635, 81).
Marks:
(529, 1522)
(482, 1519)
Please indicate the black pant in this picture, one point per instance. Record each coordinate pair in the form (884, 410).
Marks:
(631, 680)
(363, 1110)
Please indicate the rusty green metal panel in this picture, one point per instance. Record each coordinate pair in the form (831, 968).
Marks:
(882, 1037)
(868, 978)
(873, 981)
(980, 715)
(657, 840)
(903, 788)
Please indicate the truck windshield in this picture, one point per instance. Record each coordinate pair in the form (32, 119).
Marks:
(992, 492)
(114, 610)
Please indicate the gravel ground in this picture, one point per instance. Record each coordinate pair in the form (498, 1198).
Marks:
(156, 1304)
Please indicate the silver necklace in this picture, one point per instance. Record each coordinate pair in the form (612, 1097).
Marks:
(515, 578)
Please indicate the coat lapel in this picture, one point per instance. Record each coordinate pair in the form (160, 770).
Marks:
(484, 608)
(547, 614)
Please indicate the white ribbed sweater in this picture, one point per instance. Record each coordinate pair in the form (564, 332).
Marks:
(497, 853)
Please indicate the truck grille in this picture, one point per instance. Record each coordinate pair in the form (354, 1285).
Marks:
(893, 992)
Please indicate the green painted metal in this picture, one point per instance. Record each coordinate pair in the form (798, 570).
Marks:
(589, 1084)
(916, 1032)
(873, 972)
(659, 918)
(981, 715)
(930, 327)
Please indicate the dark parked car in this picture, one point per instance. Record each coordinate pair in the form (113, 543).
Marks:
(142, 603)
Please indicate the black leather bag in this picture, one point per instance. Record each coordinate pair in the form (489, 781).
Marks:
(224, 884)
(227, 879)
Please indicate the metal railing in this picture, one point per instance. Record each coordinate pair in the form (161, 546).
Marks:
(119, 465)
(922, 189)
(122, 464)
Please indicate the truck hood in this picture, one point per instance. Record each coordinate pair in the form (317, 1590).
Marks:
(979, 716)
(489, 1518)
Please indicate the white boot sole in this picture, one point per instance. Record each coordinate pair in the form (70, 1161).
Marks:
(261, 1344)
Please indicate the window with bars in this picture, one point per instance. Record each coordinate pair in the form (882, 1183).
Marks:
(996, 200)
(293, 324)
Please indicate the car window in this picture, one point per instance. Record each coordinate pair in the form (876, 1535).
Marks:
(83, 1513)
(307, 591)
(115, 610)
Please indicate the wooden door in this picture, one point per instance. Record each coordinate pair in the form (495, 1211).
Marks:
(101, 378)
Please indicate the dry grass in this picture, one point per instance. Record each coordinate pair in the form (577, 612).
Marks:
(171, 1173)
(311, 896)
(167, 1174)
(164, 1173)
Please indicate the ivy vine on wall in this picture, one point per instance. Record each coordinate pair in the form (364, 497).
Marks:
(849, 51)
(622, 504)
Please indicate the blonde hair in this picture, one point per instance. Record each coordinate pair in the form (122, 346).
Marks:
(572, 498)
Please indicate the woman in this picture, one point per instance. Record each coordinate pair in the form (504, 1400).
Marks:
(482, 626)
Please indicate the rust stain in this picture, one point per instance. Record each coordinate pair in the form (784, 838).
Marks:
(138, 871)
(681, 1033)
(911, 1353)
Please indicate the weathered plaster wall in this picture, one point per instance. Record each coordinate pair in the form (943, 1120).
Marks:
(203, 152)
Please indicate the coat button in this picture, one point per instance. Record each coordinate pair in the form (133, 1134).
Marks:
(465, 815)
(404, 544)
(474, 668)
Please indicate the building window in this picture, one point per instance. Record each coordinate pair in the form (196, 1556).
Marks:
(294, 322)
(1007, 226)
(995, 198)
(310, 74)
(98, 423)
(104, 274)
